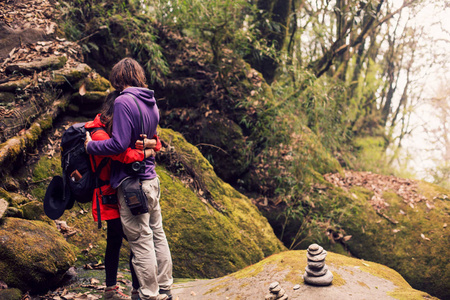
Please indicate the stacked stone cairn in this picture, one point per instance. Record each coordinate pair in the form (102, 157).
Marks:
(317, 272)
(276, 292)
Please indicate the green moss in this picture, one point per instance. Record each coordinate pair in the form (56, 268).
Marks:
(34, 210)
(43, 171)
(34, 259)
(5, 195)
(11, 86)
(10, 294)
(62, 61)
(370, 154)
(14, 199)
(207, 242)
(404, 246)
(96, 82)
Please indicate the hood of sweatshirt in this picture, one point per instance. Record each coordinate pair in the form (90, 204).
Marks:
(143, 94)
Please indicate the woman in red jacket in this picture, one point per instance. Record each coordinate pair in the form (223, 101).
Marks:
(105, 196)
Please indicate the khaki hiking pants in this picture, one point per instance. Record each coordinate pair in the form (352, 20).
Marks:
(152, 260)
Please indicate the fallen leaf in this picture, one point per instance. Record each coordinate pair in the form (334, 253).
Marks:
(396, 230)
(95, 281)
(347, 237)
(445, 225)
(424, 237)
(12, 52)
(82, 90)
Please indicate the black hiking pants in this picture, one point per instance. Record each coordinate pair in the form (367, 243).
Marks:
(114, 235)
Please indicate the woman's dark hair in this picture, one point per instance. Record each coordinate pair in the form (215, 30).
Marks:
(107, 111)
(127, 72)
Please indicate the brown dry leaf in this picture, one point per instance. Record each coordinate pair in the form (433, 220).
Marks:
(12, 52)
(347, 238)
(70, 296)
(82, 90)
(94, 281)
(445, 225)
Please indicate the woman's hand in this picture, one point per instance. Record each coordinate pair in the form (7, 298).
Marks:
(88, 139)
(150, 152)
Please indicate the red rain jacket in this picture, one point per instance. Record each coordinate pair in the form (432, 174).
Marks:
(110, 211)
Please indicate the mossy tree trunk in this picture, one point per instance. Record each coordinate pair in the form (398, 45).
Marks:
(273, 25)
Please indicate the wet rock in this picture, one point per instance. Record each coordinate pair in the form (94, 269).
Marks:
(320, 272)
(71, 75)
(34, 210)
(14, 212)
(317, 257)
(3, 207)
(321, 280)
(316, 264)
(34, 255)
(10, 294)
(6, 97)
(276, 292)
(45, 63)
(11, 184)
(315, 249)
(12, 86)
(316, 272)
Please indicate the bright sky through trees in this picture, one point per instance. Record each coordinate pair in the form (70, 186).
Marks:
(433, 72)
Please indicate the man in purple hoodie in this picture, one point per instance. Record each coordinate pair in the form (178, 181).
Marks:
(152, 260)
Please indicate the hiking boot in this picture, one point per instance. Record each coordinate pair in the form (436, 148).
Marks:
(113, 293)
(135, 296)
(166, 292)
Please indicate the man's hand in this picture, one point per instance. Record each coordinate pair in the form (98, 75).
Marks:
(147, 143)
(88, 139)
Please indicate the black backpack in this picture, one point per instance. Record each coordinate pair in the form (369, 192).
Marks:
(79, 179)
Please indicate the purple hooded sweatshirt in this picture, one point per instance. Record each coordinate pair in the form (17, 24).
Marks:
(126, 130)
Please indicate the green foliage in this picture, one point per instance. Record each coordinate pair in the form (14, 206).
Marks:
(125, 30)
(370, 155)
(441, 174)
(223, 24)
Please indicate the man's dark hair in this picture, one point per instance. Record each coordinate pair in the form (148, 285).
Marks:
(127, 72)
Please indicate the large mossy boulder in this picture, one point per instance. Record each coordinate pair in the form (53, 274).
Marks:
(212, 229)
(33, 255)
(412, 239)
(353, 279)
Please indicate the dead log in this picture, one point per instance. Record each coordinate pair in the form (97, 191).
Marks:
(13, 147)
